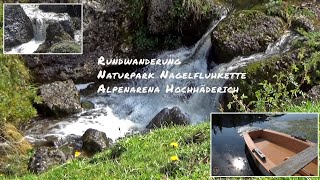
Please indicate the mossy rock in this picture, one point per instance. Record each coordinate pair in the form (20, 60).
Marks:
(259, 72)
(87, 105)
(14, 142)
(65, 47)
(244, 33)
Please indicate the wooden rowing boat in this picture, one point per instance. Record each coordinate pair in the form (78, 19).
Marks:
(279, 154)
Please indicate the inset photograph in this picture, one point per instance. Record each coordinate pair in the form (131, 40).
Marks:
(264, 144)
(43, 28)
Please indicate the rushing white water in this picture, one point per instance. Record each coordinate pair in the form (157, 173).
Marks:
(39, 29)
(39, 21)
(26, 48)
(117, 114)
(78, 36)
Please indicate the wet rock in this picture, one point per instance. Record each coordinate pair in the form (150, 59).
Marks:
(95, 141)
(72, 141)
(244, 33)
(59, 98)
(55, 33)
(167, 117)
(55, 36)
(44, 158)
(68, 27)
(18, 27)
(302, 22)
(87, 105)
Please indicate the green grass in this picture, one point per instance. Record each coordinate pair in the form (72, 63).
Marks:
(16, 92)
(305, 107)
(146, 157)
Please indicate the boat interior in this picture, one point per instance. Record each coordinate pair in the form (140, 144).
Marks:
(278, 148)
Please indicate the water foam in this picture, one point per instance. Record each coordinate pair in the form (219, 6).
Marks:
(134, 111)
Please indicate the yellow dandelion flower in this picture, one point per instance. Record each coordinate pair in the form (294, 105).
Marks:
(174, 158)
(174, 144)
(77, 153)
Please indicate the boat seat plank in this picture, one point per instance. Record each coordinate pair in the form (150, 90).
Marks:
(296, 162)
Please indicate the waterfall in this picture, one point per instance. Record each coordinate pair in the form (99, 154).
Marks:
(39, 29)
(118, 113)
(39, 21)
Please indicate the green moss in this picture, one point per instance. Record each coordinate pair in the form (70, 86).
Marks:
(181, 13)
(16, 92)
(284, 77)
(17, 95)
(66, 47)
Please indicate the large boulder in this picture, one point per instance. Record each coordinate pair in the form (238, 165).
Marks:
(18, 27)
(244, 33)
(68, 26)
(59, 98)
(44, 158)
(167, 117)
(59, 39)
(55, 32)
(95, 141)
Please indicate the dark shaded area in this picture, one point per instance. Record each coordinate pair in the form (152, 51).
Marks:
(72, 10)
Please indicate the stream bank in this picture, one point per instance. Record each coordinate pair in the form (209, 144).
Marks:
(110, 31)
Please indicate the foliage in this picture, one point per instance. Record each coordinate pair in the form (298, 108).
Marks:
(16, 92)
(197, 8)
(309, 54)
(14, 152)
(13, 165)
(143, 41)
(276, 8)
(275, 96)
(307, 106)
(146, 156)
(278, 93)
(288, 10)
(181, 12)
